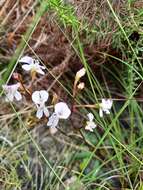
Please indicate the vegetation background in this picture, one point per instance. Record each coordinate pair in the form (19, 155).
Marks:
(104, 36)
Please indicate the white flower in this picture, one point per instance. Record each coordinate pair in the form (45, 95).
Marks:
(39, 98)
(105, 106)
(90, 125)
(61, 112)
(12, 92)
(32, 65)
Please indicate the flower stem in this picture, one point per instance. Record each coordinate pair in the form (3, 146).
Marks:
(86, 106)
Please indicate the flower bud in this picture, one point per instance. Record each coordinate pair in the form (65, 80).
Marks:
(53, 130)
(81, 86)
(80, 73)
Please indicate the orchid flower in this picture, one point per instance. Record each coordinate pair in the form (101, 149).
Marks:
(32, 65)
(90, 125)
(105, 106)
(39, 98)
(12, 92)
(61, 111)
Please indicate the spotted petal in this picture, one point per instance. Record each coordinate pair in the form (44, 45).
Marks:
(53, 120)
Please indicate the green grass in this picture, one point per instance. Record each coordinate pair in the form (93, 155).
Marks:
(111, 156)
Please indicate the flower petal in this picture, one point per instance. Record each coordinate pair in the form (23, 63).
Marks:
(109, 103)
(44, 95)
(9, 97)
(39, 113)
(26, 59)
(103, 101)
(11, 91)
(100, 112)
(53, 120)
(38, 65)
(17, 96)
(80, 73)
(90, 116)
(87, 127)
(106, 103)
(62, 110)
(90, 125)
(93, 125)
(46, 112)
(40, 71)
(107, 111)
(36, 97)
(16, 86)
(26, 67)
(42, 67)
(40, 97)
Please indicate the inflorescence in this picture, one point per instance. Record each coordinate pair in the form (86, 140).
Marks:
(40, 98)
